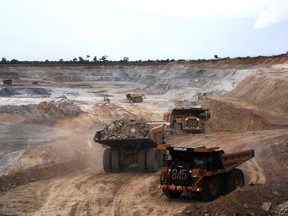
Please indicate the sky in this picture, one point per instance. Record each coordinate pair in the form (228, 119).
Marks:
(142, 30)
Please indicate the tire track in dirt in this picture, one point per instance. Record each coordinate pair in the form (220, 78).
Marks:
(140, 196)
(63, 197)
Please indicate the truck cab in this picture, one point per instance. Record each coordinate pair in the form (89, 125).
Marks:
(189, 119)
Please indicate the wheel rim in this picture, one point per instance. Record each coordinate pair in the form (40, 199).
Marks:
(213, 187)
(238, 181)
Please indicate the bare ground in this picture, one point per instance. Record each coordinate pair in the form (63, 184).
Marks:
(56, 169)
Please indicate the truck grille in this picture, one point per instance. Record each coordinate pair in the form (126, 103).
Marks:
(192, 123)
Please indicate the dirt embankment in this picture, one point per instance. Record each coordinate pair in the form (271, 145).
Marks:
(259, 102)
(48, 112)
(265, 92)
(228, 114)
(155, 77)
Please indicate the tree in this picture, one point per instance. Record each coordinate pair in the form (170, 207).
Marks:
(95, 59)
(4, 59)
(125, 59)
(216, 56)
(81, 59)
(74, 59)
(14, 61)
(103, 58)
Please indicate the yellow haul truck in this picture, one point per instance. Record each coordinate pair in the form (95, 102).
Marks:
(134, 97)
(207, 171)
(141, 151)
(189, 119)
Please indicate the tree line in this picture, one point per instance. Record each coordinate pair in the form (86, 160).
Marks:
(82, 60)
(104, 59)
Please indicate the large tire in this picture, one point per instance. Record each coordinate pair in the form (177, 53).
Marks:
(115, 160)
(234, 179)
(172, 194)
(107, 160)
(160, 159)
(178, 126)
(142, 160)
(152, 160)
(212, 188)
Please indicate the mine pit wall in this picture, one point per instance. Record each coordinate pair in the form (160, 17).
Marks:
(227, 116)
(264, 92)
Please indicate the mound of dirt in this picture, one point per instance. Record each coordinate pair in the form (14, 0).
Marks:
(228, 114)
(125, 129)
(43, 112)
(36, 173)
(264, 92)
(104, 112)
(259, 102)
(245, 201)
(281, 209)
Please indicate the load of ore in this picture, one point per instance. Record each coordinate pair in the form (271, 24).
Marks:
(125, 129)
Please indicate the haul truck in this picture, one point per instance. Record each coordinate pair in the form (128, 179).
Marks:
(207, 171)
(134, 97)
(189, 119)
(142, 151)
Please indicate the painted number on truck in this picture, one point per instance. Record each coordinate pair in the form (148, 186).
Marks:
(179, 174)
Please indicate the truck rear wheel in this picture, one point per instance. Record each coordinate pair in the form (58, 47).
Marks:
(234, 179)
(115, 160)
(178, 126)
(107, 160)
(152, 160)
(142, 159)
(172, 194)
(212, 188)
(160, 158)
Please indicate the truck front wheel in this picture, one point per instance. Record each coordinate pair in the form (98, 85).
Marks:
(107, 160)
(172, 194)
(212, 188)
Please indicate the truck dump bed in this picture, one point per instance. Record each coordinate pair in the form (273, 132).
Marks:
(154, 138)
(231, 161)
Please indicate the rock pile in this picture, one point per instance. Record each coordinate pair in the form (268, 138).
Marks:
(125, 129)
(48, 112)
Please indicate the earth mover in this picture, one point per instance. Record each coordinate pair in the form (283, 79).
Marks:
(141, 151)
(188, 119)
(205, 171)
(134, 97)
(7, 82)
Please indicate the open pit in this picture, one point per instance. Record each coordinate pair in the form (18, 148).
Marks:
(50, 165)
